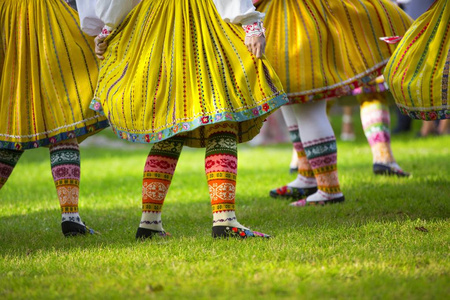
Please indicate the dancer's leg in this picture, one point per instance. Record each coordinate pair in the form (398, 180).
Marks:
(347, 131)
(305, 183)
(65, 163)
(320, 147)
(158, 171)
(221, 173)
(8, 160)
(376, 121)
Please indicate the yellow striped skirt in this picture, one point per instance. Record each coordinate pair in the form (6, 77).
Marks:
(48, 74)
(174, 66)
(418, 72)
(323, 49)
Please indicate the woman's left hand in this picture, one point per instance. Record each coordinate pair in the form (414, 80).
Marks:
(100, 47)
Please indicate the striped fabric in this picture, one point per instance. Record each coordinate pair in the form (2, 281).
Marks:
(8, 160)
(221, 167)
(65, 162)
(175, 66)
(303, 166)
(418, 72)
(322, 49)
(322, 157)
(158, 173)
(375, 119)
(221, 172)
(48, 74)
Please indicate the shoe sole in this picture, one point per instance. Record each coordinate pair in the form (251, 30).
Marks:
(327, 202)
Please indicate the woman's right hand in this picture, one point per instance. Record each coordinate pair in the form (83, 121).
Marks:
(256, 45)
(100, 46)
(255, 39)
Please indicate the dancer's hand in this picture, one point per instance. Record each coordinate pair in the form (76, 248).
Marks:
(256, 45)
(255, 39)
(100, 46)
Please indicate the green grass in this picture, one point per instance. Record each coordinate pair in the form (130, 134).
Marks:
(370, 247)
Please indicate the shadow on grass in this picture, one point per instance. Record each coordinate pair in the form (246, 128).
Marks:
(22, 234)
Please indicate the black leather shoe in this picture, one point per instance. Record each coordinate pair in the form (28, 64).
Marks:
(289, 192)
(70, 228)
(144, 233)
(380, 169)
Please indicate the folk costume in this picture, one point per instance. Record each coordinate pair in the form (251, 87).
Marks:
(322, 50)
(418, 72)
(177, 72)
(48, 77)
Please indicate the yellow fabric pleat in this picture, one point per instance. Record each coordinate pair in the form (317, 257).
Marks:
(418, 72)
(322, 49)
(48, 75)
(174, 66)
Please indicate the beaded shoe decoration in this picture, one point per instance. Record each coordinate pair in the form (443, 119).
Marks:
(235, 232)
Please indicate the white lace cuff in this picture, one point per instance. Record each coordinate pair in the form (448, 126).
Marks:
(106, 31)
(254, 29)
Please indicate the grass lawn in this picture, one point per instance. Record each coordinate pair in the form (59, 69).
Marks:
(389, 240)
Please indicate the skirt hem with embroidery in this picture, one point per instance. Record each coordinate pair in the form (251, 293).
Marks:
(81, 133)
(254, 115)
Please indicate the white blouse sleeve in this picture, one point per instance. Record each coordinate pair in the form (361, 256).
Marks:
(96, 15)
(238, 11)
(112, 12)
(89, 21)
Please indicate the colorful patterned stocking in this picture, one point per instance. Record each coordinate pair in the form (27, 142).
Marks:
(319, 143)
(376, 121)
(65, 162)
(305, 177)
(221, 172)
(322, 155)
(159, 168)
(8, 160)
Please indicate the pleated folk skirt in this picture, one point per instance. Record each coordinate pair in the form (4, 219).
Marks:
(174, 66)
(48, 74)
(418, 72)
(323, 49)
